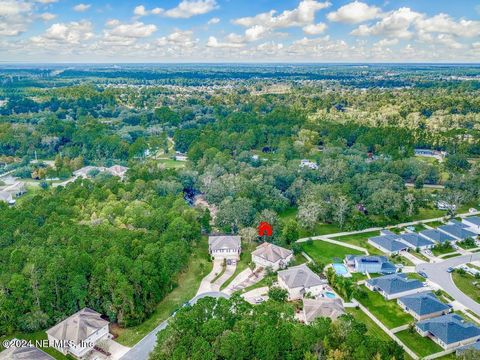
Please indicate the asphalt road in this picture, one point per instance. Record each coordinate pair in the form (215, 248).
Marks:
(437, 272)
(143, 348)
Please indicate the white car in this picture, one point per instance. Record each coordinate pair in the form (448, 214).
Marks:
(472, 210)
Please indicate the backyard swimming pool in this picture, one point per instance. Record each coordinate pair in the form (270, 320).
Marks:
(330, 295)
(340, 269)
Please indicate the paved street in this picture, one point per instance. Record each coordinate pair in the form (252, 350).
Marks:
(438, 274)
(141, 350)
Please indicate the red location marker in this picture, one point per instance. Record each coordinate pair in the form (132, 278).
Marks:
(265, 229)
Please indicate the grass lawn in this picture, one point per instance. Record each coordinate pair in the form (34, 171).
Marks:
(188, 282)
(266, 281)
(422, 346)
(401, 260)
(388, 312)
(373, 329)
(318, 229)
(323, 252)
(473, 266)
(435, 224)
(361, 240)
(298, 259)
(36, 336)
(466, 284)
(245, 260)
(420, 256)
(450, 255)
(440, 250)
(424, 214)
(172, 164)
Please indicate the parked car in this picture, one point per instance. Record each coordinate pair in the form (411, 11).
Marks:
(450, 269)
(259, 300)
(421, 273)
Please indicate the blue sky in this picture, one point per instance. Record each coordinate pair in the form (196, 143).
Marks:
(240, 31)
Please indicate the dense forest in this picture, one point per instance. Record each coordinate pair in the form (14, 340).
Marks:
(234, 329)
(118, 246)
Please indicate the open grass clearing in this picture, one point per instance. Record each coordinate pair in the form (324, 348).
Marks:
(323, 252)
(422, 346)
(468, 285)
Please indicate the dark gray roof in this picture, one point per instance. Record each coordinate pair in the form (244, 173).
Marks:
(457, 231)
(389, 242)
(424, 303)
(300, 276)
(24, 353)
(456, 222)
(395, 283)
(474, 220)
(224, 242)
(416, 240)
(449, 328)
(436, 235)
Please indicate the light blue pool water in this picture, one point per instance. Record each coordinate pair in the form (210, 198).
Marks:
(340, 269)
(330, 295)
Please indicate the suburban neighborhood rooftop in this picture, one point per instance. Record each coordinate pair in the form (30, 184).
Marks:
(423, 303)
(449, 328)
(300, 276)
(395, 283)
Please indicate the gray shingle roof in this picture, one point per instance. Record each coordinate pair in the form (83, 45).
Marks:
(436, 235)
(449, 328)
(457, 231)
(474, 220)
(224, 242)
(300, 276)
(415, 240)
(272, 252)
(424, 303)
(78, 327)
(24, 353)
(389, 242)
(324, 307)
(395, 283)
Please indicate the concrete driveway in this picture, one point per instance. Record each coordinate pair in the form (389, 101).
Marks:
(252, 295)
(437, 273)
(206, 284)
(229, 271)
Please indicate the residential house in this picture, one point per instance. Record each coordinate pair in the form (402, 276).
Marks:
(371, 264)
(415, 241)
(439, 155)
(300, 280)
(395, 286)
(272, 256)
(86, 171)
(436, 236)
(458, 232)
(24, 353)
(322, 307)
(443, 205)
(390, 244)
(224, 246)
(423, 306)
(117, 170)
(449, 331)
(473, 224)
(456, 222)
(78, 334)
(309, 164)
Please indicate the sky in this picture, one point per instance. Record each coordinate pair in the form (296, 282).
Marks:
(236, 31)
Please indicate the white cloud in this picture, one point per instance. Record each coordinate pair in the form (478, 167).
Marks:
(15, 17)
(214, 43)
(303, 15)
(117, 31)
(443, 23)
(81, 7)
(184, 39)
(72, 33)
(396, 24)
(315, 29)
(213, 21)
(47, 16)
(386, 42)
(354, 12)
(189, 8)
(46, 1)
(140, 11)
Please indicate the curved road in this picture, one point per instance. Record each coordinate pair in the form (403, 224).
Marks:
(437, 273)
(145, 346)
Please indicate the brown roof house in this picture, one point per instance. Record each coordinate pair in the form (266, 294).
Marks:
(271, 256)
(78, 334)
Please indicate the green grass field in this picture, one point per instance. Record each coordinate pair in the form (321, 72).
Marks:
(422, 346)
(172, 164)
(373, 329)
(388, 312)
(466, 284)
(324, 253)
(188, 282)
(361, 240)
